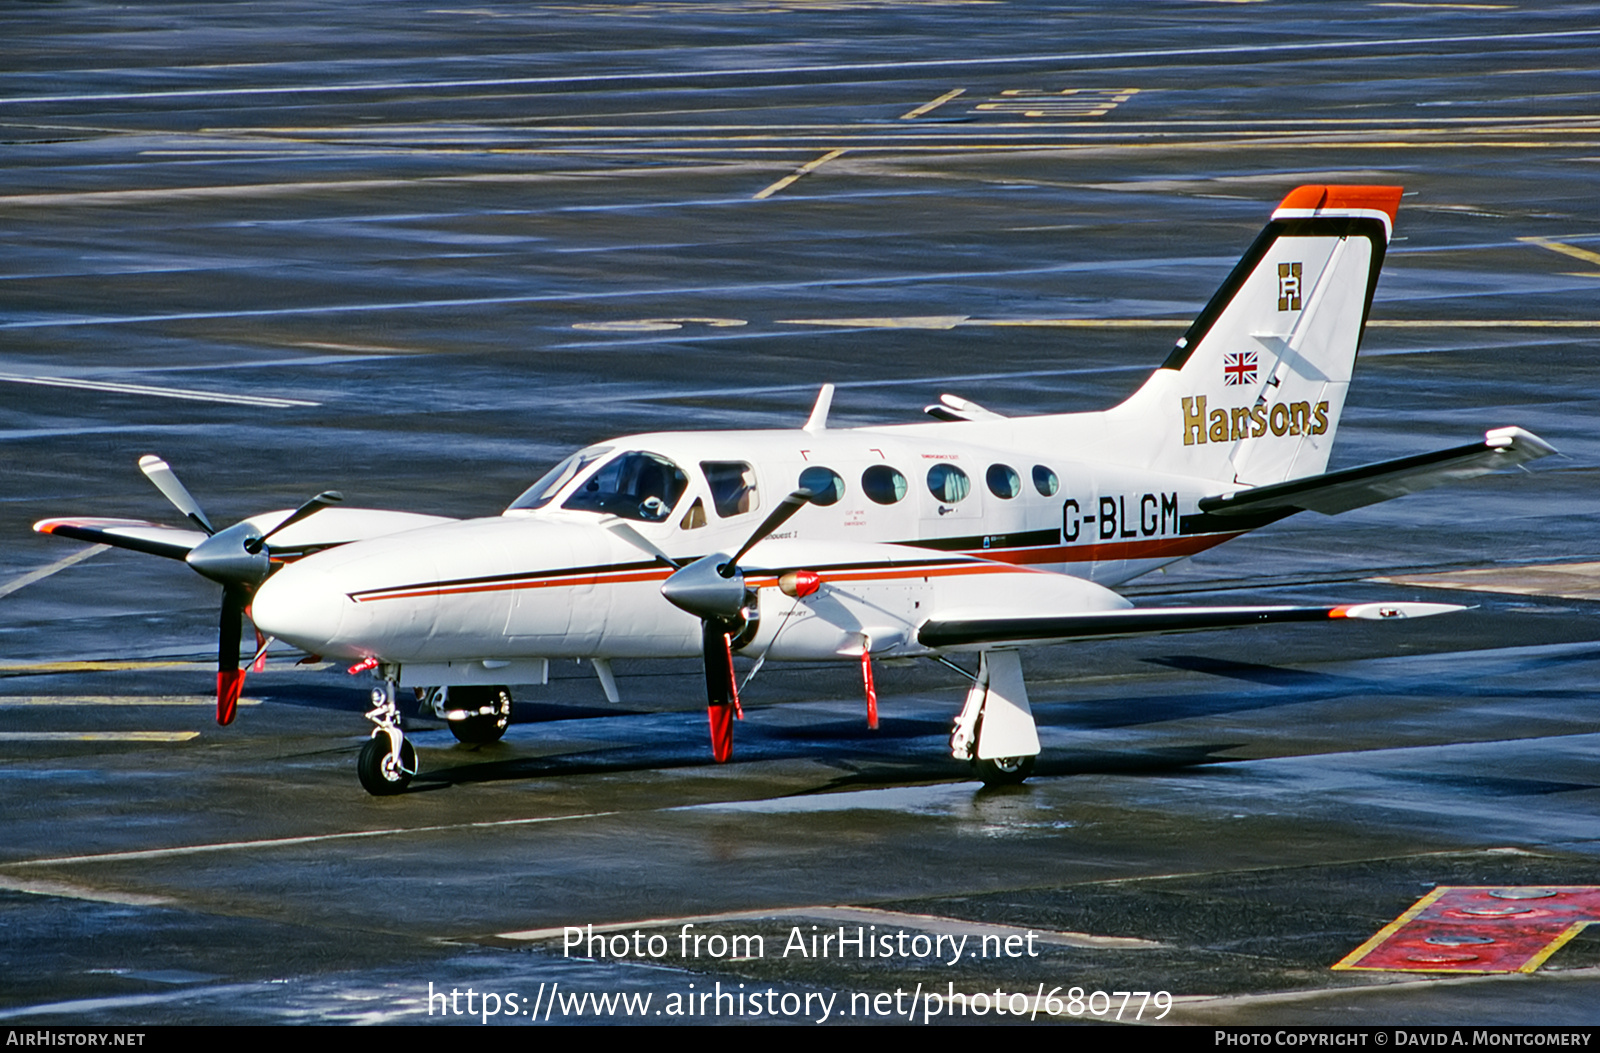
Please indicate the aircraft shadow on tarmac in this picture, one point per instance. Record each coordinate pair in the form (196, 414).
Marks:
(888, 757)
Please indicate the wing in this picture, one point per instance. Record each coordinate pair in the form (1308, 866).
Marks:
(135, 534)
(966, 632)
(1335, 492)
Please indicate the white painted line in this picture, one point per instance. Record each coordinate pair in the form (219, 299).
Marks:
(1075, 58)
(289, 842)
(44, 572)
(80, 1006)
(778, 389)
(653, 923)
(960, 926)
(859, 915)
(145, 389)
(66, 891)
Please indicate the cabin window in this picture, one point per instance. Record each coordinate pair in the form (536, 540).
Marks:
(550, 483)
(1045, 481)
(637, 485)
(825, 485)
(883, 484)
(733, 487)
(948, 483)
(1003, 480)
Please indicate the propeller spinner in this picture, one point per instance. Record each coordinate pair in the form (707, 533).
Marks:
(238, 559)
(712, 589)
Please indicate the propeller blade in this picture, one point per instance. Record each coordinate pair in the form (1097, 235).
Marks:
(780, 515)
(160, 473)
(310, 508)
(722, 693)
(230, 678)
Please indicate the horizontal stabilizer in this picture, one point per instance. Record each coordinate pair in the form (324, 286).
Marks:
(1341, 491)
(135, 534)
(1149, 621)
(953, 407)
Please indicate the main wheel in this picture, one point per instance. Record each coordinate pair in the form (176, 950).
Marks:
(1004, 771)
(488, 712)
(377, 771)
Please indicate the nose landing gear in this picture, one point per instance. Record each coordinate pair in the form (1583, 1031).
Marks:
(388, 760)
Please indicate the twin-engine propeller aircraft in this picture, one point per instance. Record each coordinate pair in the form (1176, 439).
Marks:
(971, 535)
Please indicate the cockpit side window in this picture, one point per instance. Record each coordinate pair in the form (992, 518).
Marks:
(733, 487)
(550, 483)
(635, 485)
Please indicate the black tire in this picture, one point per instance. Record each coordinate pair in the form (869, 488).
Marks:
(480, 729)
(378, 777)
(1004, 771)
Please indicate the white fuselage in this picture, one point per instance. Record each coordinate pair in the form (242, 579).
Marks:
(553, 582)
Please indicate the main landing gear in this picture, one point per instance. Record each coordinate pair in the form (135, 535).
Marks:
(477, 715)
(995, 731)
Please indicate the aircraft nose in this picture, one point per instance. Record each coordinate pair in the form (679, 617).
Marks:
(304, 608)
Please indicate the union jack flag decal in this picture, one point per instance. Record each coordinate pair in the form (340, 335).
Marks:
(1239, 367)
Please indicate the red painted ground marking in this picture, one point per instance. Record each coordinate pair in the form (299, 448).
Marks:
(1485, 929)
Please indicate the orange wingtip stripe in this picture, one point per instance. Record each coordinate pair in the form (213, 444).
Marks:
(1340, 612)
(1376, 198)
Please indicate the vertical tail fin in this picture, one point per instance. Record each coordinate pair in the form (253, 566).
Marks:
(1253, 390)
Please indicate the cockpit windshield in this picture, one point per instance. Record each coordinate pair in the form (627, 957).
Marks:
(635, 485)
(550, 483)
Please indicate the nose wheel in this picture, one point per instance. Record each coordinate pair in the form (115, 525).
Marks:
(382, 771)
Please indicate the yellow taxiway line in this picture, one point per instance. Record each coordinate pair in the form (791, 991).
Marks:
(98, 736)
(41, 668)
(935, 104)
(803, 170)
(1566, 250)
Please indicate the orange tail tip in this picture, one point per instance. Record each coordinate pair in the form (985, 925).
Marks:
(229, 683)
(1385, 199)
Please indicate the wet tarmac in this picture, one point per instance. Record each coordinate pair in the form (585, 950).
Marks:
(417, 254)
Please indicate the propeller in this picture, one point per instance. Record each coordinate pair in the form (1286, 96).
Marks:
(238, 559)
(712, 589)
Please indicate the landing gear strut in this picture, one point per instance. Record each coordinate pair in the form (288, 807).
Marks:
(995, 731)
(388, 760)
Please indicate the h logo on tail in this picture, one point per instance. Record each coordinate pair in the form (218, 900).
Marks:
(1288, 287)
